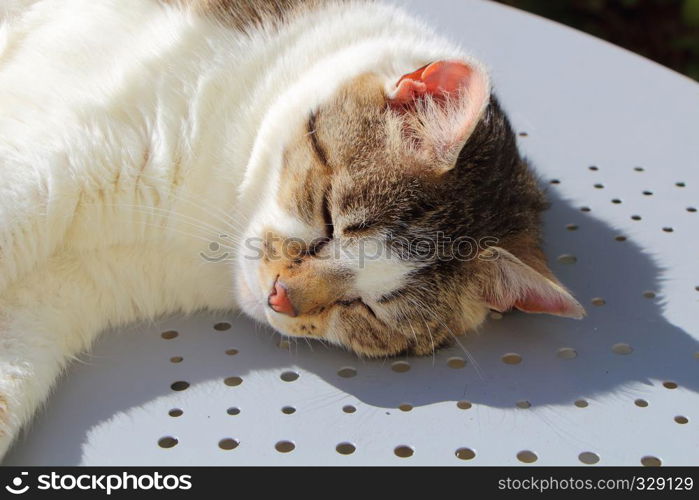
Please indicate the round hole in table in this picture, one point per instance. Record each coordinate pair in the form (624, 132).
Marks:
(289, 376)
(400, 366)
(622, 348)
(588, 457)
(651, 461)
(284, 446)
(233, 381)
(169, 334)
(347, 372)
(180, 385)
(168, 442)
(403, 451)
(465, 454)
(345, 448)
(228, 444)
(456, 362)
(527, 456)
(511, 358)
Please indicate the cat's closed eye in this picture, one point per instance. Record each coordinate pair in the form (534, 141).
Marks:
(357, 228)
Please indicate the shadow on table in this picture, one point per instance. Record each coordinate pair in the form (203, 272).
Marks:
(120, 374)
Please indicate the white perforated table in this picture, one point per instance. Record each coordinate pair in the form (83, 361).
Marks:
(615, 136)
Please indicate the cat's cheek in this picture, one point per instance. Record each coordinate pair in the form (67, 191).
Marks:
(248, 302)
(364, 334)
(312, 326)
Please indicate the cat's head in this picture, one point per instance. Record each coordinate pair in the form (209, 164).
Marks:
(402, 214)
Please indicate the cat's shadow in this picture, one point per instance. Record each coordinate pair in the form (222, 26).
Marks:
(562, 361)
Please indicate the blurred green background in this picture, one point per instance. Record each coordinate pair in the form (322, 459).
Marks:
(666, 31)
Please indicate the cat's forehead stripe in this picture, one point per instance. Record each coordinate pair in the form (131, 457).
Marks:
(304, 177)
(313, 139)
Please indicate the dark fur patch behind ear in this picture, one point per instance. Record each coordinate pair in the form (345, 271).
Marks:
(504, 197)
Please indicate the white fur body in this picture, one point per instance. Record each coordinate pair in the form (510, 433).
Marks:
(134, 133)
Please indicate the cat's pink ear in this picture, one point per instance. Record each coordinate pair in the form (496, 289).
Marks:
(510, 283)
(442, 103)
(437, 79)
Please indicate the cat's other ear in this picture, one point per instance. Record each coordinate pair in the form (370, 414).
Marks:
(441, 104)
(507, 282)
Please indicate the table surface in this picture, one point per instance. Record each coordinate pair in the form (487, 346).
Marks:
(615, 136)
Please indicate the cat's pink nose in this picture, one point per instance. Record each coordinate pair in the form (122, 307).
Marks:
(279, 300)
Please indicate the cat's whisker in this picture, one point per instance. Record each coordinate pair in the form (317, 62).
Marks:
(467, 353)
(227, 220)
(413, 329)
(407, 316)
(202, 204)
(404, 313)
(308, 343)
(422, 306)
(418, 308)
(163, 213)
(188, 234)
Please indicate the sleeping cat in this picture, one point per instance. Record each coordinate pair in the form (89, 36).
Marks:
(315, 142)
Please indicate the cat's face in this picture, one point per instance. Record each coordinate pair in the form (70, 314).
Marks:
(400, 218)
